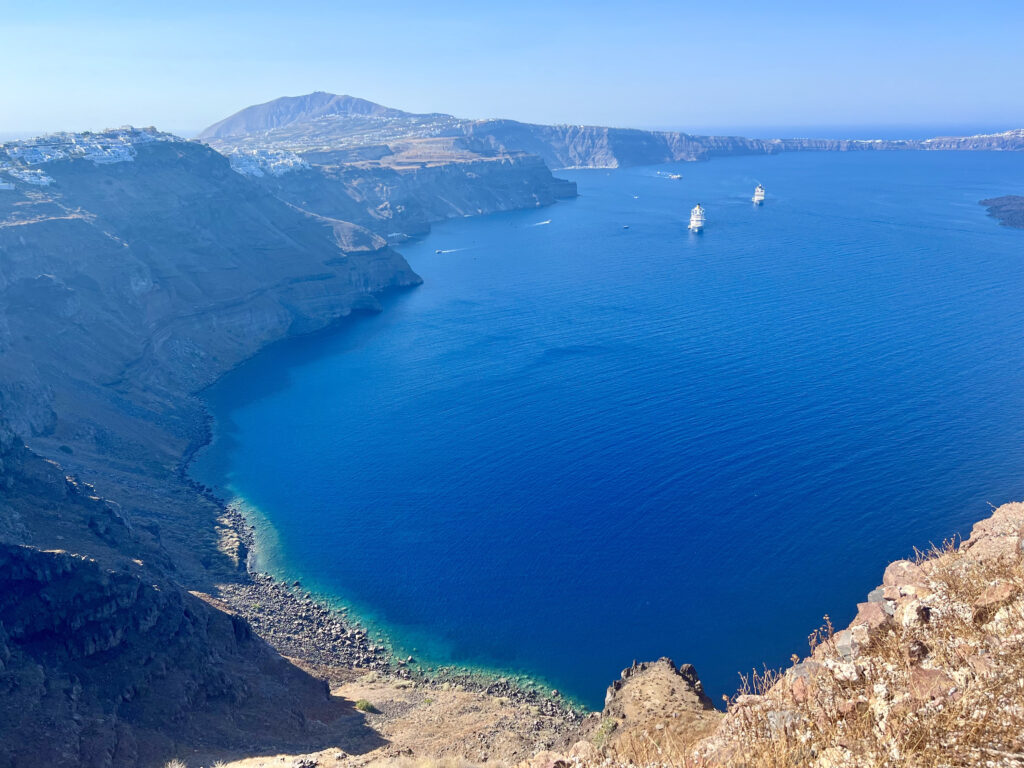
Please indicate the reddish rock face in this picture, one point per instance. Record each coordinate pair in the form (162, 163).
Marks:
(929, 684)
(1001, 535)
(982, 665)
(872, 615)
(547, 759)
(801, 690)
(995, 594)
(989, 601)
(907, 578)
(852, 707)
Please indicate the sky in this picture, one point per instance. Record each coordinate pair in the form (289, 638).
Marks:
(718, 65)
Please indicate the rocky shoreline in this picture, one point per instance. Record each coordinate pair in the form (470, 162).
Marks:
(327, 640)
(324, 639)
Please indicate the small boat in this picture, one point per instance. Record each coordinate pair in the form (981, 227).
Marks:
(697, 218)
(675, 176)
(758, 197)
(438, 251)
(625, 226)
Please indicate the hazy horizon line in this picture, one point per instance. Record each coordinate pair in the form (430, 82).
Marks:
(852, 131)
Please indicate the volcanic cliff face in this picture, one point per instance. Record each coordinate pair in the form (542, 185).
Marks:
(124, 672)
(154, 253)
(125, 287)
(134, 270)
(114, 664)
(587, 146)
(403, 195)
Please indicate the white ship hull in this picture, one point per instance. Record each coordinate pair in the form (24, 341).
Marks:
(696, 219)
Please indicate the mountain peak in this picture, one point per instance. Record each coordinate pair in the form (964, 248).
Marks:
(289, 110)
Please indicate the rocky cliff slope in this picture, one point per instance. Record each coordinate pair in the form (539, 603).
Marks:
(399, 190)
(101, 667)
(108, 661)
(134, 270)
(127, 286)
(391, 171)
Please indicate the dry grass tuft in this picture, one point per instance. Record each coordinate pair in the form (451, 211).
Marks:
(421, 762)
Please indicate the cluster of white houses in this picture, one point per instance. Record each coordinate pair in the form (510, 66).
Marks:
(112, 146)
(33, 176)
(261, 161)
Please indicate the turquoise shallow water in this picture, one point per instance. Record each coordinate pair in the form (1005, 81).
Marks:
(578, 444)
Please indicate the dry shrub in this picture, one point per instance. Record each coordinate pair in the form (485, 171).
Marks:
(658, 747)
(421, 762)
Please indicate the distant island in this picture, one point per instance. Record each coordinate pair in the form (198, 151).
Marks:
(1009, 209)
(320, 122)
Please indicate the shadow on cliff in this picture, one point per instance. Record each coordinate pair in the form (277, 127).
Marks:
(124, 672)
(343, 727)
(271, 370)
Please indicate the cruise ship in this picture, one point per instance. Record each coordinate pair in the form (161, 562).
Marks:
(758, 197)
(697, 218)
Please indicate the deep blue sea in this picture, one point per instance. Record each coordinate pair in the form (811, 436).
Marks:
(576, 445)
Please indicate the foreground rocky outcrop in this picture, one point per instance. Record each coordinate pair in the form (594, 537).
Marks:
(927, 674)
(652, 702)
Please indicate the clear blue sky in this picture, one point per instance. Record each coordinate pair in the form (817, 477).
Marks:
(182, 64)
